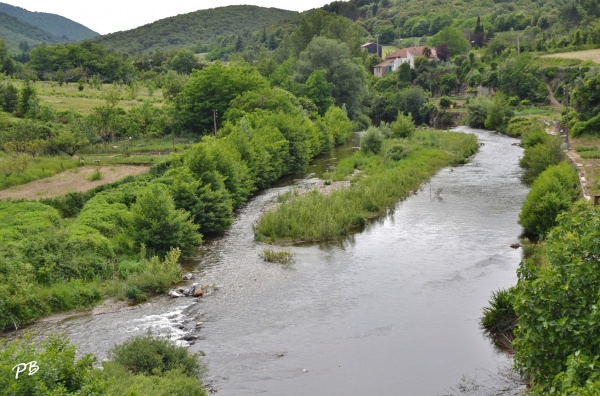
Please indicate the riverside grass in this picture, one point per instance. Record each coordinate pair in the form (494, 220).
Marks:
(380, 183)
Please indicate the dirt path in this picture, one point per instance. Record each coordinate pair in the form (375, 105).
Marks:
(68, 181)
(553, 100)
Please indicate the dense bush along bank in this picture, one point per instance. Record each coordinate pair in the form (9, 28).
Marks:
(125, 240)
(382, 179)
(552, 311)
(148, 365)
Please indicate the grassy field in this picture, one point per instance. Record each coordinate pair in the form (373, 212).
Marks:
(388, 50)
(69, 97)
(588, 55)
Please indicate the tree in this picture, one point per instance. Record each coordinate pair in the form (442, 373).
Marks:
(69, 140)
(213, 88)
(156, 223)
(319, 90)
(587, 98)
(27, 99)
(455, 40)
(443, 52)
(478, 37)
(347, 77)
(184, 61)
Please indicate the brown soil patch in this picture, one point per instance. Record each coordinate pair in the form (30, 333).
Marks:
(72, 180)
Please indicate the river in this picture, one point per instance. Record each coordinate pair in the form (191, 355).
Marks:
(392, 310)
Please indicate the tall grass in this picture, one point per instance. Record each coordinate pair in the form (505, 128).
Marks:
(38, 168)
(379, 185)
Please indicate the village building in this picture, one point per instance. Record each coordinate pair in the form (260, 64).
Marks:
(406, 55)
(373, 48)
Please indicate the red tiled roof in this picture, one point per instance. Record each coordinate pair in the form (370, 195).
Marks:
(414, 51)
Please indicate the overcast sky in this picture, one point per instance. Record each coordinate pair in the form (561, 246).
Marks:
(108, 16)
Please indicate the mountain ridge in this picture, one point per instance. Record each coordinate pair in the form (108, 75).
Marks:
(186, 30)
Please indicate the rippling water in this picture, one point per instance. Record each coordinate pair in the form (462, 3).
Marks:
(391, 310)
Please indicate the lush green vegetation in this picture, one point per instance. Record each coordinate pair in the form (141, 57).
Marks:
(198, 29)
(381, 181)
(61, 27)
(277, 256)
(147, 365)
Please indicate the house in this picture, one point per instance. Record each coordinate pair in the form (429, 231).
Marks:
(373, 48)
(405, 55)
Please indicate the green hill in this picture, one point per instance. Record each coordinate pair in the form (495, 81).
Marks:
(188, 29)
(56, 25)
(15, 32)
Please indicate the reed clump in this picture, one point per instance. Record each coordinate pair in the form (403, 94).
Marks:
(381, 182)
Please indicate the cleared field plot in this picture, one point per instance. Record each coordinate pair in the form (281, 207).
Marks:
(592, 55)
(72, 180)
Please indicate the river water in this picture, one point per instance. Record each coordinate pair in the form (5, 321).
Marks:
(392, 310)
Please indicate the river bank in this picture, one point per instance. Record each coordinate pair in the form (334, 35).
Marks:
(396, 306)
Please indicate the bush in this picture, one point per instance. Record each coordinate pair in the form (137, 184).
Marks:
(152, 355)
(538, 157)
(557, 344)
(372, 141)
(551, 194)
(397, 152)
(403, 127)
(499, 318)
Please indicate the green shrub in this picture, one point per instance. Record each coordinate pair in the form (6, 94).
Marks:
(499, 318)
(539, 157)
(151, 355)
(372, 141)
(277, 256)
(132, 292)
(551, 194)
(97, 175)
(403, 127)
(397, 152)
(557, 344)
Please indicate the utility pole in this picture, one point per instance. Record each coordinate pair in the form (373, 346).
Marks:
(215, 120)
(567, 119)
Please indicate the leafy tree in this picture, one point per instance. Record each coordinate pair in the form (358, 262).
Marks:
(156, 223)
(403, 127)
(319, 90)
(184, 61)
(443, 52)
(557, 344)
(587, 98)
(455, 40)
(70, 140)
(204, 196)
(9, 97)
(321, 23)
(212, 88)
(498, 114)
(348, 78)
(518, 77)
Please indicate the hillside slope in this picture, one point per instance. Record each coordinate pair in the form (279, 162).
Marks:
(187, 29)
(15, 32)
(54, 24)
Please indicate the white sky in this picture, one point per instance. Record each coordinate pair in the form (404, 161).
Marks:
(108, 16)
